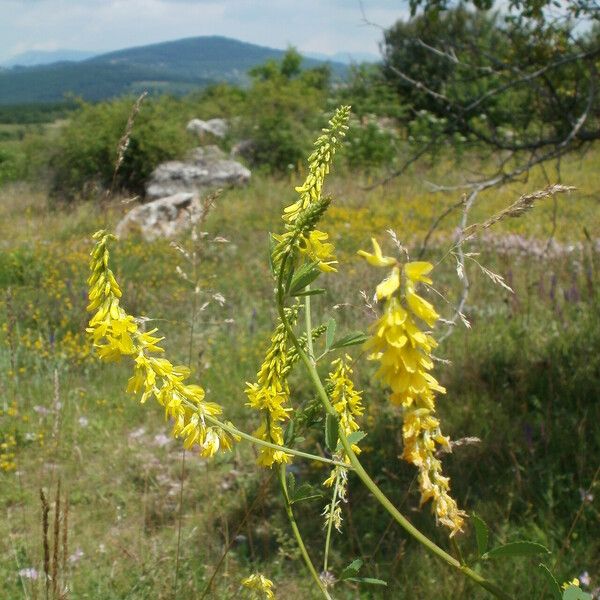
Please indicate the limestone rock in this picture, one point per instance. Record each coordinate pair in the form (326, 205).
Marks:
(216, 127)
(206, 169)
(166, 217)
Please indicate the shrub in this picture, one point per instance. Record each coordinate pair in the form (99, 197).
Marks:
(85, 153)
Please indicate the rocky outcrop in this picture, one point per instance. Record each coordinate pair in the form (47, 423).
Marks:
(164, 218)
(206, 169)
(216, 127)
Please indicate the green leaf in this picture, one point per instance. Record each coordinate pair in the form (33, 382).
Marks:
(331, 432)
(551, 581)
(291, 484)
(289, 274)
(353, 438)
(305, 492)
(481, 533)
(352, 339)
(516, 549)
(288, 435)
(313, 292)
(352, 569)
(370, 580)
(575, 593)
(303, 276)
(330, 333)
(272, 245)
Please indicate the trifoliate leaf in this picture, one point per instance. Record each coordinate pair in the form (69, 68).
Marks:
(303, 276)
(575, 593)
(352, 569)
(352, 339)
(305, 492)
(516, 549)
(369, 580)
(481, 533)
(291, 484)
(353, 438)
(551, 582)
(331, 432)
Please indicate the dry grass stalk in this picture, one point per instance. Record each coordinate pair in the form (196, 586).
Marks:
(124, 141)
(55, 542)
(55, 550)
(65, 544)
(524, 204)
(45, 544)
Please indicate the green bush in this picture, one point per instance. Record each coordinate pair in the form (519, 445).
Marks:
(283, 107)
(86, 150)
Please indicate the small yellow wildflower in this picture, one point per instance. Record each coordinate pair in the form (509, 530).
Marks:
(261, 587)
(317, 249)
(348, 404)
(270, 394)
(574, 582)
(116, 334)
(377, 259)
(404, 353)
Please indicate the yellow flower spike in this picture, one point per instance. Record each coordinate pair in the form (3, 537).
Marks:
(377, 259)
(418, 271)
(261, 587)
(388, 286)
(116, 334)
(404, 354)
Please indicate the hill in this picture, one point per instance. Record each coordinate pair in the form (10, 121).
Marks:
(33, 58)
(176, 67)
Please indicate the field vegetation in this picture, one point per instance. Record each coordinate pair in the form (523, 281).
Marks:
(94, 490)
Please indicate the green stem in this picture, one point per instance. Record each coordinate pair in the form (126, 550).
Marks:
(308, 320)
(330, 521)
(298, 536)
(363, 475)
(254, 440)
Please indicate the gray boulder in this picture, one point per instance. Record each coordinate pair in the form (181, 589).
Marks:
(164, 218)
(207, 168)
(216, 127)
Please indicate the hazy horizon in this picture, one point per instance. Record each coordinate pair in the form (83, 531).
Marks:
(99, 26)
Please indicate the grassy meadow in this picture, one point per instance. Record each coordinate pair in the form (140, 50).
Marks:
(139, 520)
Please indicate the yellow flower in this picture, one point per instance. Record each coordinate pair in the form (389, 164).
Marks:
(317, 249)
(260, 585)
(404, 354)
(270, 394)
(389, 285)
(302, 216)
(377, 259)
(116, 334)
(573, 582)
(417, 271)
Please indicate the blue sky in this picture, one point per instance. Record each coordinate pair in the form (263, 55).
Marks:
(326, 26)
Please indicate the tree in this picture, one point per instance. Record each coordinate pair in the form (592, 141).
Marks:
(523, 82)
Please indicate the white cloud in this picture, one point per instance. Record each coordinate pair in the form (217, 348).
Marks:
(326, 26)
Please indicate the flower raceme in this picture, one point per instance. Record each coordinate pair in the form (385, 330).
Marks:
(116, 334)
(270, 394)
(260, 586)
(301, 217)
(347, 402)
(404, 350)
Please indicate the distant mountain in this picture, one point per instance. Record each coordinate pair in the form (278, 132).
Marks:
(346, 58)
(175, 67)
(46, 57)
